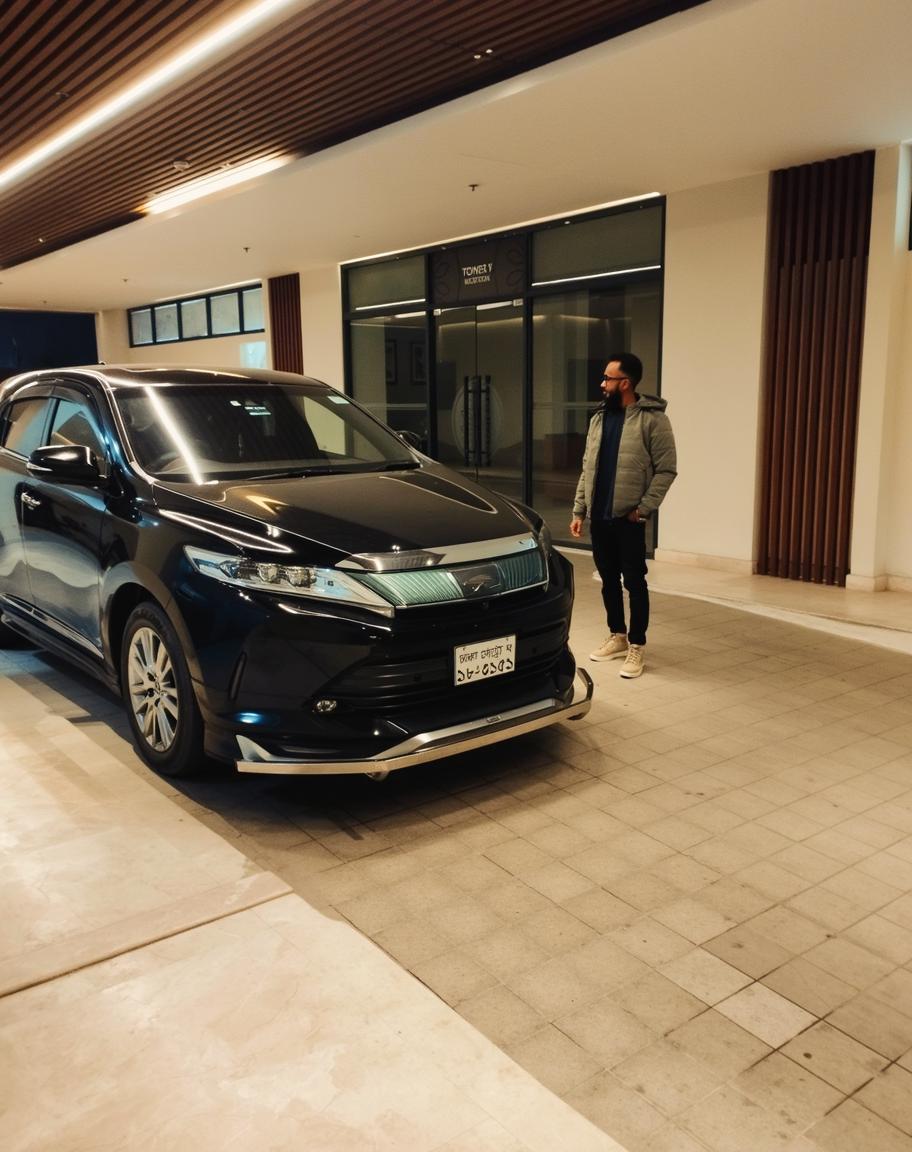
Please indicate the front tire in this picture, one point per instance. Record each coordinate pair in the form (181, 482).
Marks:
(158, 695)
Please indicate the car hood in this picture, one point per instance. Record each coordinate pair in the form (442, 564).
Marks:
(346, 514)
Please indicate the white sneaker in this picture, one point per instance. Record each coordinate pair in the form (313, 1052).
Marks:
(615, 645)
(633, 664)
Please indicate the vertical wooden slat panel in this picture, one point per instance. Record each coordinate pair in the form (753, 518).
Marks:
(285, 323)
(820, 218)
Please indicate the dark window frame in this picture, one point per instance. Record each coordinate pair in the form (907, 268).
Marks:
(243, 330)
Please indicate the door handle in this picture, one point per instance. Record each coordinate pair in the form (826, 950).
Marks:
(29, 501)
(484, 422)
(471, 426)
(466, 436)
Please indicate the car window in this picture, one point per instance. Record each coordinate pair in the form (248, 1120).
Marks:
(254, 429)
(23, 424)
(74, 423)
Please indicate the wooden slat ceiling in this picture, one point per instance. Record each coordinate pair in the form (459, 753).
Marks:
(332, 70)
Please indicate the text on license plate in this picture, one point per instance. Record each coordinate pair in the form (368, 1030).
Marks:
(483, 660)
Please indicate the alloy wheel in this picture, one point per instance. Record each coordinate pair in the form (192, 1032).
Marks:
(153, 691)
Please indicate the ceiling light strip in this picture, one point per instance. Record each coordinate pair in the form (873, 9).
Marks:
(191, 57)
(207, 185)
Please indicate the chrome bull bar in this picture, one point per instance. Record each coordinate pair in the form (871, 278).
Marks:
(427, 746)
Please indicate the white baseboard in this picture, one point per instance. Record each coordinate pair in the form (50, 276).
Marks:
(699, 560)
(869, 583)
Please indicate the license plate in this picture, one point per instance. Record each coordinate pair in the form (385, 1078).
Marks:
(483, 660)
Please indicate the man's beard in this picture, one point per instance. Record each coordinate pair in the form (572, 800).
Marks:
(614, 402)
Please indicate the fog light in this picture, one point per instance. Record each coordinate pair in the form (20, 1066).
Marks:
(324, 707)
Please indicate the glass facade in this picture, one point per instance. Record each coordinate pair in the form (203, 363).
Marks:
(492, 350)
(388, 370)
(624, 243)
(396, 281)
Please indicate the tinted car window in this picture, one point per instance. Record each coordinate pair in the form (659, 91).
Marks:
(74, 424)
(24, 424)
(258, 429)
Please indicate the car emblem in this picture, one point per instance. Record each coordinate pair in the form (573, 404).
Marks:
(483, 580)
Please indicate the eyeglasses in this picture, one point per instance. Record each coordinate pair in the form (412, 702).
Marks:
(615, 377)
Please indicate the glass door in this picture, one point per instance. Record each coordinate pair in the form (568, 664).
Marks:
(480, 393)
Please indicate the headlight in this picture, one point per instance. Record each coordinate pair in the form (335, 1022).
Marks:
(544, 538)
(287, 579)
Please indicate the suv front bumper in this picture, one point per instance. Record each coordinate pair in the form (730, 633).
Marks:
(425, 746)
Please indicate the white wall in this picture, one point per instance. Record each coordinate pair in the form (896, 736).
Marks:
(715, 256)
(881, 553)
(321, 325)
(898, 499)
(217, 352)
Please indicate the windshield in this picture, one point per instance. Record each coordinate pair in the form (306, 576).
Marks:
(257, 429)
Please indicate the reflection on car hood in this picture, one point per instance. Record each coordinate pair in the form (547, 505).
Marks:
(351, 513)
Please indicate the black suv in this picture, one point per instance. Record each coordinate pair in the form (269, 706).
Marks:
(269, 575)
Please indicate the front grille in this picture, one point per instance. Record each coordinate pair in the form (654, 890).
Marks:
(460, 582)
(398, 685)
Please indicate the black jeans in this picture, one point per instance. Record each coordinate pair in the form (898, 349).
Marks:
(619, 552)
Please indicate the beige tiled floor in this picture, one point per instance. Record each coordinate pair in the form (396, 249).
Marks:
(159, 990)
(689, 915)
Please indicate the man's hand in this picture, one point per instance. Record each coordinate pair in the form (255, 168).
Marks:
(576, 526)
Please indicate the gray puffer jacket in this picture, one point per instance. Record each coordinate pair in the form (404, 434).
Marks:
(646, 464)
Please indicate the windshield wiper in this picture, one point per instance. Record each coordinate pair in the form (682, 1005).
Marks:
(287, 473)
(330, 470)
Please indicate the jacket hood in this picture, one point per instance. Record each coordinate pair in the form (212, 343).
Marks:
(645, 402)
(655, 403)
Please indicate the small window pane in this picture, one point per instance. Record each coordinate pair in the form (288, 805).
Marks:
(165, 323)
(626, 240)
(225, 314)
(253, 309)
(193, 319)
(392, 282)
(141, 326)
(24, 425)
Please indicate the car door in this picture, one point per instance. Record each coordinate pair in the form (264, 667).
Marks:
(62, 527)
(23, 420)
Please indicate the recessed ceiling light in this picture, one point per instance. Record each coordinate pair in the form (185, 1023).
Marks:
(180, 165)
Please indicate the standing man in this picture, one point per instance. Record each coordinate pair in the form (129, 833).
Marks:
(628, 466)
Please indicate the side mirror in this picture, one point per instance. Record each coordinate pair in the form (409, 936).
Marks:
(411, 438)
(73, 462)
